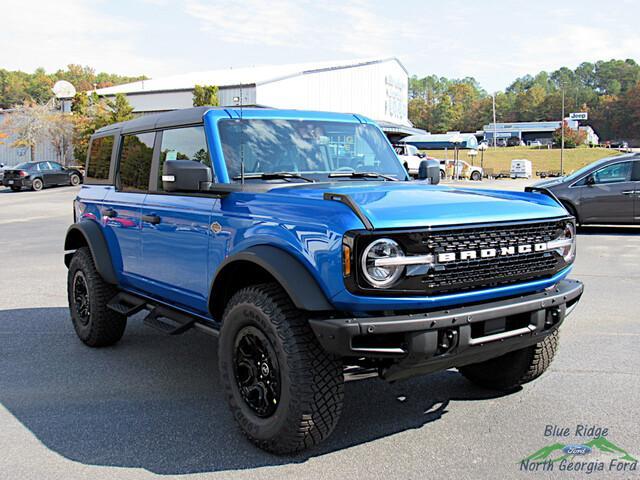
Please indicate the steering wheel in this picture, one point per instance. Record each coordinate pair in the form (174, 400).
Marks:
(345, 169)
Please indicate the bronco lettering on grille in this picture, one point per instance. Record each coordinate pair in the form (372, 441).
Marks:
(492, 252)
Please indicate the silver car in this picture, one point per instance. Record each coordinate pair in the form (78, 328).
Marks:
(604, 192)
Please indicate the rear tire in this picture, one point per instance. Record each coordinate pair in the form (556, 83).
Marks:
(95, 324)
(514, 368)
(37, 185)
(285, 392)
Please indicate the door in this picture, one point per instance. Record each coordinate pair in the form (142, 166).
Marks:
(57, 174)
(121, 209)
(636, 180)
(608, 195)
(176, 227)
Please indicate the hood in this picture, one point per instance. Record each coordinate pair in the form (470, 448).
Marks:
(549, 182)
(416, 204)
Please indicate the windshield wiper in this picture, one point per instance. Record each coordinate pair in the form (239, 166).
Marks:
(362, 175)
(274, 176)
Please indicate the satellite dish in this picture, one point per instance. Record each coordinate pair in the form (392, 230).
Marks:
(63, 89)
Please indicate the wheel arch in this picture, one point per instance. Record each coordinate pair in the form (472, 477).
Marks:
(88, 234)
(570, 207)
(262, 264)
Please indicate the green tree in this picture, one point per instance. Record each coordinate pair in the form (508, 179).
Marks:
(205, 95)
(121, 110)
(443, 114)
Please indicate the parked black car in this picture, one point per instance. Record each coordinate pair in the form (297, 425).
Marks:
(37, 175)
(604, 192)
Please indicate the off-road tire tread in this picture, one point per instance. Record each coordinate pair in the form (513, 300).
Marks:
(317, 380)
(106, 326)
(515, 368)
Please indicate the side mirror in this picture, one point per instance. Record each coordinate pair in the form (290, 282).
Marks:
(421, 155)
(429, 170)
(590, 180)
(184, 176)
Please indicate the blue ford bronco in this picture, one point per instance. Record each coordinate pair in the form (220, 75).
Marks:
(299, 240)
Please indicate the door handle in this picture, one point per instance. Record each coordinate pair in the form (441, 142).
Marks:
(110, 212)
(152, 219)
(629, 192)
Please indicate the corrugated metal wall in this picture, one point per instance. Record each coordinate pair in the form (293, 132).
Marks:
(10, 156)
(378, 91)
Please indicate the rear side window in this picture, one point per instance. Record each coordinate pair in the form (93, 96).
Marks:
(97, 170)
(188, 144)
(135, 162)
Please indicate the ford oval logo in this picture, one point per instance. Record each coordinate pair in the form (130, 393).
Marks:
(577, 449)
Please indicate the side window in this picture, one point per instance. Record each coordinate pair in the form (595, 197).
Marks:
(135, 162)
(55, 166)
(635, 176)
(618, 172)
(42, 166)
(189, 144)
(97, 170)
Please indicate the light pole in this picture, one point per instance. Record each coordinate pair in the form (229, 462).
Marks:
(495, 127)
(482, 147)
(562, 137)
(456, 140)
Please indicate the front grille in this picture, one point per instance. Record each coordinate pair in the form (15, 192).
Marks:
(465, 275)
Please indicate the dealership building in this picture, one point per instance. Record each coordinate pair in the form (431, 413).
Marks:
(375, 88)
(535, 131)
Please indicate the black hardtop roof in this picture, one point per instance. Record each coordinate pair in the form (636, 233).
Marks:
(183, 116)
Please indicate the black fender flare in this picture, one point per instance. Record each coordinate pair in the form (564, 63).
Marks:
(290, 273)
(88, 233)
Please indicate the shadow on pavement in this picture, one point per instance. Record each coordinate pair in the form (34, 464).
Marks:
(154, 401)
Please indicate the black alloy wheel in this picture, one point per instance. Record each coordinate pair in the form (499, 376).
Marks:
(81, 297)
(256, 371)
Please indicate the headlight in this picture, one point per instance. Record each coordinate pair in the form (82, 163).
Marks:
(565, 244)
(378, 260)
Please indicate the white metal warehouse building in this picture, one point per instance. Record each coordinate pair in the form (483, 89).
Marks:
(376, 88)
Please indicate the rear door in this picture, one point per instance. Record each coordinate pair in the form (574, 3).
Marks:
(45, 173)
(611, 198)
(176, 226)
(122, 206)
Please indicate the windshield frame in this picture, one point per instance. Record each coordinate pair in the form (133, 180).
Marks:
(319, 176)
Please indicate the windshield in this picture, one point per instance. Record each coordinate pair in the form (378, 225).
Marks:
(586, 168)
(311, 148)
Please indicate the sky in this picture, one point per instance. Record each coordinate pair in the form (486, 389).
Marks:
(494, 41)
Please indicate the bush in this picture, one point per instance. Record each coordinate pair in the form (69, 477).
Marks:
(572, 138)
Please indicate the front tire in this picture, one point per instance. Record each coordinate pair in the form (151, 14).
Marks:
(514, 368)
(74, 180)
(37, 185)
(476, 176)
(284, 391)
(94, 323)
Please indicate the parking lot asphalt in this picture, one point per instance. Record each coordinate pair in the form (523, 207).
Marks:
(152, 405)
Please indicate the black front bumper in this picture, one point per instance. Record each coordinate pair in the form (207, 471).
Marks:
(436, 340)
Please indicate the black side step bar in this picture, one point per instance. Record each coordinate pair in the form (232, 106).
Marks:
(126, 304)
(169, 321)
(161, 317)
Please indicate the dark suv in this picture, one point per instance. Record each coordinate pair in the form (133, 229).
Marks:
(300, 241)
